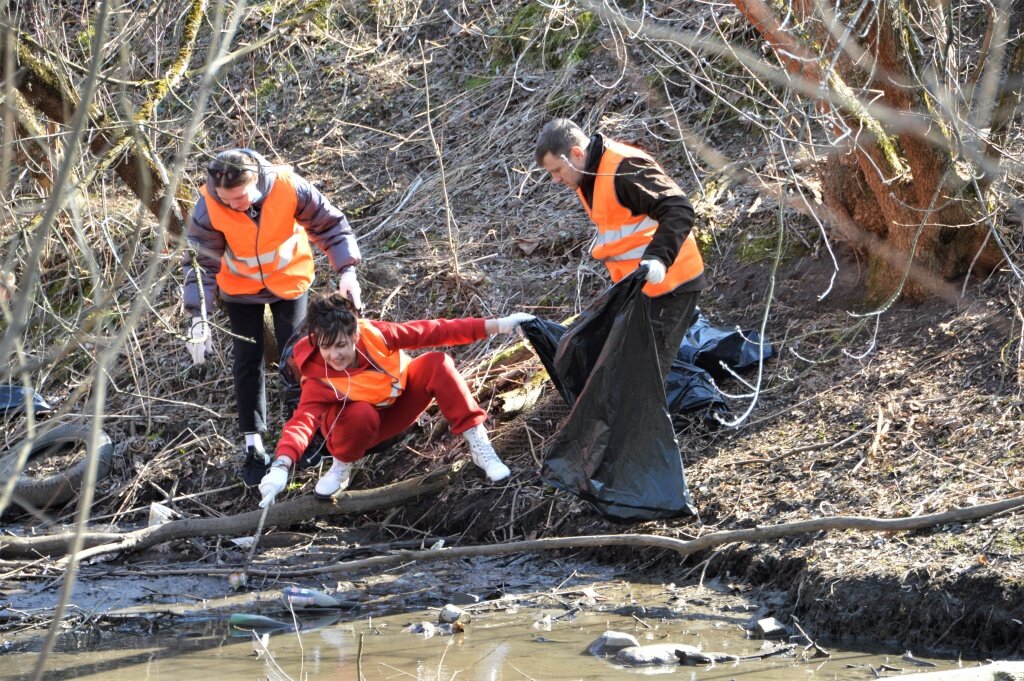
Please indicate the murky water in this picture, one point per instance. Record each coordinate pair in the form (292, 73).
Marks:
(540, 636)
(497, 646)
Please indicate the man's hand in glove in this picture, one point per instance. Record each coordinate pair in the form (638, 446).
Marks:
(655, 270)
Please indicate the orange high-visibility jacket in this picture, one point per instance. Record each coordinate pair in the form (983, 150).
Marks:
(623, 237)
(383, 381)
(273, 254)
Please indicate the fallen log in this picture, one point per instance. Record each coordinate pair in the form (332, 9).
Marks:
(360, 501)
(285, 513)
(682, 547)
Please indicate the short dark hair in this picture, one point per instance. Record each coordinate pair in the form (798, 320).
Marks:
(558, 137)
(232, 168)
(329, 317)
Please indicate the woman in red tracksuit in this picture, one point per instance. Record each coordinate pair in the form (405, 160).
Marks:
(359, 389)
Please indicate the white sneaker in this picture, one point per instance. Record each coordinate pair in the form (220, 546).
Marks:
(335, 480)
(483, 454)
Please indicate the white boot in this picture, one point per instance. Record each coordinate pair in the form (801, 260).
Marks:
(483, 454)
(334, 480)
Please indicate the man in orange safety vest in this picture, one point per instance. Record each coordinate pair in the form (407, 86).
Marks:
(642, 217)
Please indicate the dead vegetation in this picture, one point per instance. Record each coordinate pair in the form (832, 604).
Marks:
(418, 119)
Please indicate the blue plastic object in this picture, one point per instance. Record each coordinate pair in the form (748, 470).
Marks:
(12, 400)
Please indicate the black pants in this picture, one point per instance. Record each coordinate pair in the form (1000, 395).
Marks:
(671, 316)
(250, 379)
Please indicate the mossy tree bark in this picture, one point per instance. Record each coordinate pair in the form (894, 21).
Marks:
(110, 138)
(897, 189)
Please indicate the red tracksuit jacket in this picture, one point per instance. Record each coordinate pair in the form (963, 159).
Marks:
(317, 397)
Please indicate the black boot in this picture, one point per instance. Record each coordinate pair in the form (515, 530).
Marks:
(257, 461)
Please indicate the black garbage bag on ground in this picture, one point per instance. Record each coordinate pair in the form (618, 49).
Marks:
(12, 401)
(689, 385)
(689, 388)
(617, 449)
(708, 347)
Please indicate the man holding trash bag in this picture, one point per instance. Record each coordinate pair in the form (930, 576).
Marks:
(642, 219)
(617, 448)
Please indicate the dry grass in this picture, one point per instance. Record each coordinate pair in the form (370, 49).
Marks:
(936, 402)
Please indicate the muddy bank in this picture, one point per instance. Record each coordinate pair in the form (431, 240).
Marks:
(938, 612)
(536, 615)
(927, 421)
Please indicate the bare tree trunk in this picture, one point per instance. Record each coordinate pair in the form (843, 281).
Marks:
(43, 88)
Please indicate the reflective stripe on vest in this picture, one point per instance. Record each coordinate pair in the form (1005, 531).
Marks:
(274, 254)
(623, 237)
(383, 381)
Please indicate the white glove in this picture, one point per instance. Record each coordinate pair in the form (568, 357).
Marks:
(655, 270)
(199, 340)
(274, 482)
(510, 323)
(348, 286)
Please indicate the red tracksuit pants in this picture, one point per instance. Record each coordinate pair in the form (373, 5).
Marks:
(351, 428)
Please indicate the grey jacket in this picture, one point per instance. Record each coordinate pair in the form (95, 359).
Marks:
(325, 225)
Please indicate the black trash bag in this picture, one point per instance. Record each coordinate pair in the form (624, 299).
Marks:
(616, 449)
(689, 388)
(291, 391)
(544, 336)
(689, 385)
(570, 354)
(709, 347)
(12, 401)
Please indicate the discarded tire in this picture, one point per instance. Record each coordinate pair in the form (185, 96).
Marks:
(60, 488)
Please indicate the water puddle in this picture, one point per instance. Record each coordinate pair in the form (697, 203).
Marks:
(539, 634)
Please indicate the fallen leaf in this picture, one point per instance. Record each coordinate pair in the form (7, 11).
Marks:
(527, 246)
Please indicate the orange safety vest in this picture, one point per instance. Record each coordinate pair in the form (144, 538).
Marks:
(383, 381)
(273, 254)
(623, 237)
